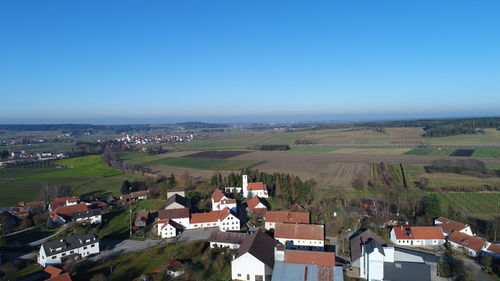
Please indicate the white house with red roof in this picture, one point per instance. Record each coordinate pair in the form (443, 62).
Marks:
(449, 226)
(223, 219)
(432, 236)
(300, 235)
(168, 228)
(254, 188)
(220, 201)
(471, 245)
(255, 205)
(62, 202)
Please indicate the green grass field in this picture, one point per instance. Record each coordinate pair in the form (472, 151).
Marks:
(86, 166)
(490, 136)
(314, 149)
(482, 204)
(203, 163)
(430, 151)
(90, 174)
(487, 152)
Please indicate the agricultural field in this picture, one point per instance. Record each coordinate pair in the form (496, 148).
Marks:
(487, 152)
(490, 137)
(313, 149)
(89, 175)
(435, 151)
(204, 163)
(373, 151)
(474, 204)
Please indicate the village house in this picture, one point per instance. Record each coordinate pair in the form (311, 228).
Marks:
(222, 219)
(168, 228)
(136, 195)
(254, 260)
(300, 235)
(64, 214)
(305, 265)
(62, 202)
(70, 248)
(176, 202)
(449, 226)
(175, 268)
(254, 188)
(220, 201)
(180, 216)
(141, 219)
(273, 217)
(428, 236)
(256, 206)
(492, 249)
(92, 216)
(376, 261)
(232, 240)
(471, 245)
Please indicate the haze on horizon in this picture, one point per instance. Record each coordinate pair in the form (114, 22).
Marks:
(240, 61)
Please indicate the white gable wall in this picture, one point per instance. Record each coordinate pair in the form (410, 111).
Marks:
(247, 267)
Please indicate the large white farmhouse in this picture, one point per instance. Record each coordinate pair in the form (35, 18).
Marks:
(430, 236)
(69, 248)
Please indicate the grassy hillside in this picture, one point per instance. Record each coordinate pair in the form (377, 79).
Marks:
(86, 166)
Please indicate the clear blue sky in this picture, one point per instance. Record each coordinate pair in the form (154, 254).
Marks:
(167, 61)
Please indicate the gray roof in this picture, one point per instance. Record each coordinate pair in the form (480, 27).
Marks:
(227, 237)
(406, 271)
(371, 245)
(69, 243)
(299, 272)
(176, 198)
(259, 245)
(86, 214)
(361, 237)
(427, 257)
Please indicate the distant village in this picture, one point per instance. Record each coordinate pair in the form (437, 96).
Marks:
(142, 139)
(288, 245)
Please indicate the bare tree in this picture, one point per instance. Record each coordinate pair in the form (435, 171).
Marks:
(51, 191)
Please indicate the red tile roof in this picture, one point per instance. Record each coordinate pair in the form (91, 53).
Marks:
(212, 216)
(419, 232)
(173, 213)
(310, 257)
(287, 216)
(299, 231)
(217, 195)
(137, 194)
(70, 210)
(252, 203)
(169, 222)
(472, 242)
(495, 248)
(60, 202)
(256, 186)
(52, 271)
(62, 277)
(449, 226)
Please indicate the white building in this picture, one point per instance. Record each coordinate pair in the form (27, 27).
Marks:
(376, 261)
(91, 216)
(70, 248)
(231, 240)
(300, 235)
(273, 217)
(424, 236)
(254, 260)
(180, 216)
(220, 201)
(168, 228)
(471, 245)
(254, 188)
(222, 219)
(449, 226)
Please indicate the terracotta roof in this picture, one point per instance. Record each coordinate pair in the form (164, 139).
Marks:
(217, 195)
(52, 271)
(356, 241)
(495, 248)
(287, 216)
(310, 257)
(169, 222)
(175, 265)
(60, 202)
(68, 211)
(137, 194)
(472, 242)
(62, 277)
(212, 216)
(142, 216)
(252, 203)
(259, 245)
(256, 186)
(173, 213)
(449, 226)
(227, 237)
(299, 231)
(418, 232)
